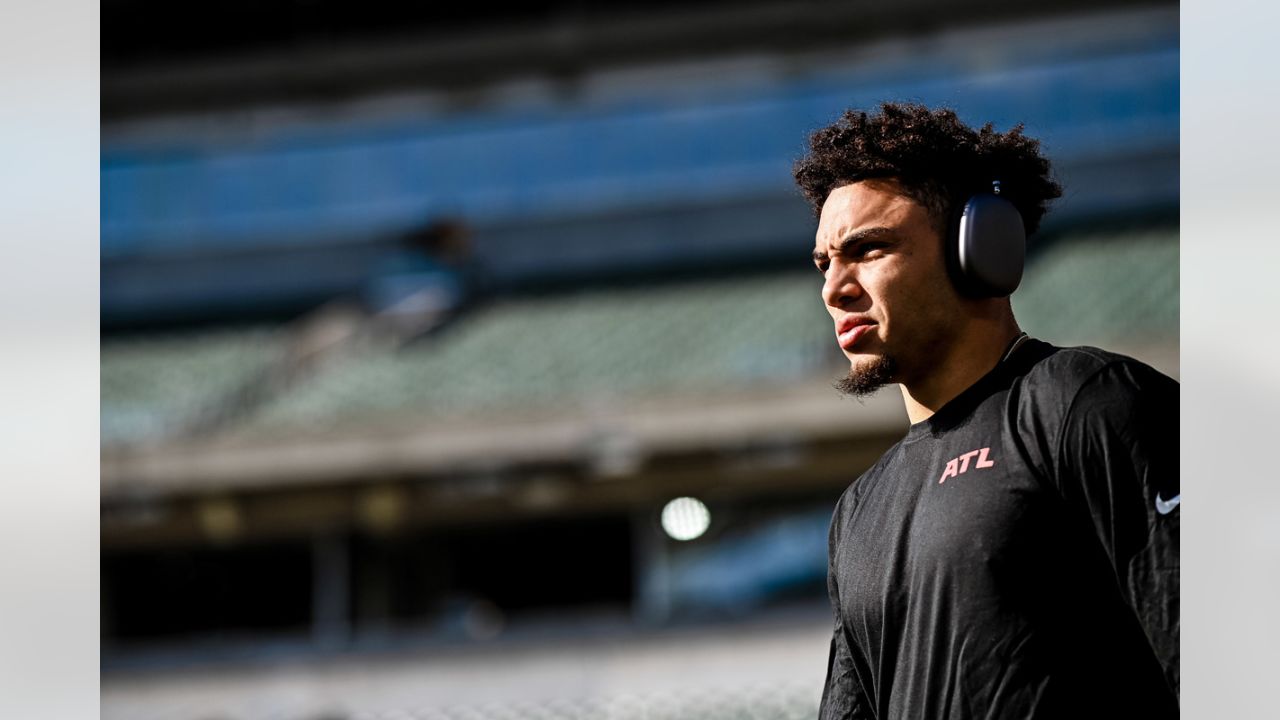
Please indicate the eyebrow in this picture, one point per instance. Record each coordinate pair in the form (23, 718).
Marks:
(853, 238)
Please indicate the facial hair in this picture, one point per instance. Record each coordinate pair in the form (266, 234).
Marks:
(866, 379)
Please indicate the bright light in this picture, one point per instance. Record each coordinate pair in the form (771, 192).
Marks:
(685, 518)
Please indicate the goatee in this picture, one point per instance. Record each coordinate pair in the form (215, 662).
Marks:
(866, 379)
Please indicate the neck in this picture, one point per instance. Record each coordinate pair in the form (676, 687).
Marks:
(973, 354)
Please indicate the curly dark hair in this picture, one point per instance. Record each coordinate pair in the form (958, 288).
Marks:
(939, 161)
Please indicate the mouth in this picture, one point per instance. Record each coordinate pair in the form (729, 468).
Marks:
(850, 334)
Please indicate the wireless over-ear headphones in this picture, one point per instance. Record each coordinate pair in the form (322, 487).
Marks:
(987, 246)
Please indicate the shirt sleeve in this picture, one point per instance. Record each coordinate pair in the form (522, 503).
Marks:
(1119, 459)
(842, 694)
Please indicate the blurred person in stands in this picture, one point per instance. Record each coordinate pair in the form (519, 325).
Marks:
(425, 281)
(1015, 555)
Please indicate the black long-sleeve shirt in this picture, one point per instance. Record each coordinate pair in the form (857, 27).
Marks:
(1016, 554)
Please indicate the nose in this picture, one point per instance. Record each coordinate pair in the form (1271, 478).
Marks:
(840, 288)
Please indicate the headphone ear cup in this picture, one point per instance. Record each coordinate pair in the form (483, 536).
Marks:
(988, 247)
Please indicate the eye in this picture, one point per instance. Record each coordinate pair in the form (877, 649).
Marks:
(868, 248)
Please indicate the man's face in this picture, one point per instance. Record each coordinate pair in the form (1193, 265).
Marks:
(885, 284)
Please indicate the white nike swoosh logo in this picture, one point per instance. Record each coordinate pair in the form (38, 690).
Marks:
(1164, 507)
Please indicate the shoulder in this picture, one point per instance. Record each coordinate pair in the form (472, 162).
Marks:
(1072, 367)
(852, 495)
(1071, 393)
(1058, 378)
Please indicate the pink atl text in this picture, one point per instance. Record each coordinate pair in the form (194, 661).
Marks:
(961, 464)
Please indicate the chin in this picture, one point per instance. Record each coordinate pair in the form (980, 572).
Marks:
(864, 360)
(868, 374)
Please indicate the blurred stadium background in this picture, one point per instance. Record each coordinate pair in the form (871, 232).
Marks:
(414, 319)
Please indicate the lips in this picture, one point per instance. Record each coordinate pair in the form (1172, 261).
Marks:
(851, 330)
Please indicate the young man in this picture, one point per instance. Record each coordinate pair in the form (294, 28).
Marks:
(1016, 554)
